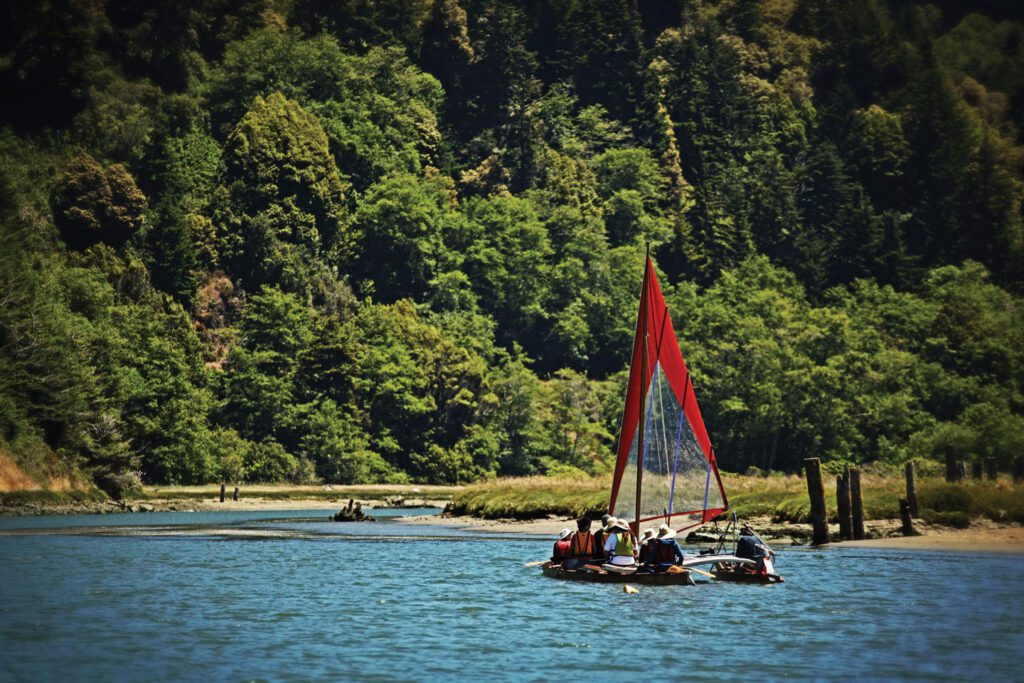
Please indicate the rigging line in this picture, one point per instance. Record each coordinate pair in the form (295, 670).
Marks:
(661, 425)
(675, 465)
(707, 487)
(647, 443)
(665, 454)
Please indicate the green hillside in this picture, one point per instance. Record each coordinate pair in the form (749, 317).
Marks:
(402, 241)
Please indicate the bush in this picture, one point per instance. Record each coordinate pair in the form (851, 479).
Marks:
(268, 461)
(957, 519)
(945, 497)
(122, 485)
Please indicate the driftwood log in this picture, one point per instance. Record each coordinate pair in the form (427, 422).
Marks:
(352, 513)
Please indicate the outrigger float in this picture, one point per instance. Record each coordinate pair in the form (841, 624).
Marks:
(665, 459)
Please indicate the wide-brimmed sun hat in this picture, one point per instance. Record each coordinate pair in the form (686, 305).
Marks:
(563, 533)
(648, 533)
(664, 531)
(617, 524)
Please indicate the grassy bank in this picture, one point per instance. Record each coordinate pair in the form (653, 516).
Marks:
(782, 498)
(14, 499)
(286, 492)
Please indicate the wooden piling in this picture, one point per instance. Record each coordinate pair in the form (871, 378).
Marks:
(843, 506)
(908, 522)
(950, 468)
(235, 496)
(993, 472)
(222, 493)
(816, 492)
(911, 487)
(976, 469)
(856, 505)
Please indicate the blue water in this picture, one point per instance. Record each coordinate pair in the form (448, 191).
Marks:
(290, 596)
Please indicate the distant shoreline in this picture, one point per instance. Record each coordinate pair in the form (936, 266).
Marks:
(983, 536)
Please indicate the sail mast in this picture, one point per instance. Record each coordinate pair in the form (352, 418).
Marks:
(643, 391)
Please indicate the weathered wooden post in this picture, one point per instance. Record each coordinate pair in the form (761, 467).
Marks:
(908, 522)
(990, 465)
(816, 492)
(961, 470)
(856, 504)
(235, 496)
(976, 469)
(222, 492)
(843, 505)
(950, 467)
(911, 487)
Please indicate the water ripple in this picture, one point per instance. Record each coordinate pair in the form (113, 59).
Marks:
(288, 598)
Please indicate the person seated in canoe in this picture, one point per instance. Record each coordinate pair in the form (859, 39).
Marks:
(644, 555)
(560, 552)
(600, 536)
(751, 547)
(665, 550)
(619, 546)
(583, 547)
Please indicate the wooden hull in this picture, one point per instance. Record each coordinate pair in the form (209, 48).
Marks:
(681, 578)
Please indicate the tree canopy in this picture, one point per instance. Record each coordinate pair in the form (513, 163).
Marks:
(403, 241)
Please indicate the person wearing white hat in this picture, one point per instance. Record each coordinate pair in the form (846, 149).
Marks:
(620, 546)
(665, 549)
(561, 549)
(646, 546)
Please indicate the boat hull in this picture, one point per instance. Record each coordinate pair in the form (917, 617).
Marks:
(740, 574)
(682, 578)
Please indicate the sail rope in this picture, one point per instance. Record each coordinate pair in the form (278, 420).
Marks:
(675, 464)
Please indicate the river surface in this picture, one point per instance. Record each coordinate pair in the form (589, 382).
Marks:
(284, 595)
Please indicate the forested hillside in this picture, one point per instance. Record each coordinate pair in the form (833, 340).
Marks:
(358, 241)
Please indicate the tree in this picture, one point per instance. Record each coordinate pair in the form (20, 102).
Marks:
(94, 204)
(401, 224)
(288, 199)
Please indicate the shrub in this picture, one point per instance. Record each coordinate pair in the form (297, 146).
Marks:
(956, 518)
(945, 497)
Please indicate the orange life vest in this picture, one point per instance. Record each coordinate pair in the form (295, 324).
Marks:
(582, 545)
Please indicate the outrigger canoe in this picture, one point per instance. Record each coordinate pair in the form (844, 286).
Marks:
(665, 467)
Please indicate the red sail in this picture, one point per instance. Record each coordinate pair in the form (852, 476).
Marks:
(680, 475)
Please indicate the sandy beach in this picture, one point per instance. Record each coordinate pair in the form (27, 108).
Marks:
(980, 538)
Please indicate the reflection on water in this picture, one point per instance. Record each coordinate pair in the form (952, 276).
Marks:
(290, 595)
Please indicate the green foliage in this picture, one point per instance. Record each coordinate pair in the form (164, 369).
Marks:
(363, 241)
(95, 204)
(288, 209)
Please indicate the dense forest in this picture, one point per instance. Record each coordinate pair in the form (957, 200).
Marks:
(402, 240)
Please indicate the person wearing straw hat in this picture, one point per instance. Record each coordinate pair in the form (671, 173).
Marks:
(620, 546)
(646, 546)
(561, 549)
(665, 549)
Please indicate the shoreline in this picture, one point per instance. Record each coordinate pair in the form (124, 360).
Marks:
(983, 536)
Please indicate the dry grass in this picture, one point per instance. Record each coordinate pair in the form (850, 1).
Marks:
(532, 497)
(12, 478)
(783, 498)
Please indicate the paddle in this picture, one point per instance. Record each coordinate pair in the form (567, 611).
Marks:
(700, 571)
(535, 564)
